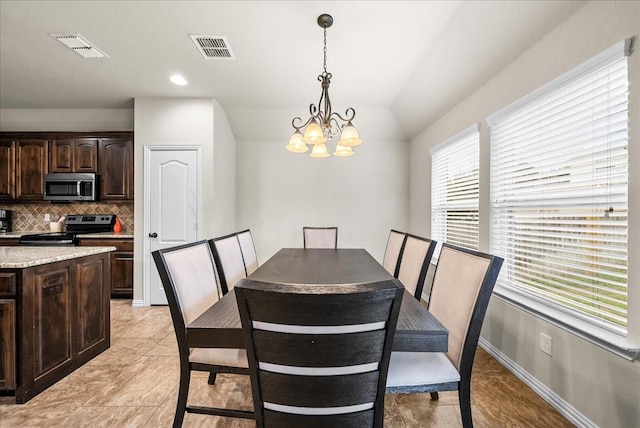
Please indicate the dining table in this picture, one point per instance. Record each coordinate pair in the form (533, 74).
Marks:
(417, 329)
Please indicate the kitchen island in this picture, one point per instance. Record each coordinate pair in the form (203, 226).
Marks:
(54, 314)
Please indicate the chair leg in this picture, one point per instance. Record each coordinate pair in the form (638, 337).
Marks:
(183, 392)
(212, 378)
(464, 397)
(434, 396)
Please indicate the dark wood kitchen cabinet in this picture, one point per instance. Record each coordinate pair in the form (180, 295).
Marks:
(25, 157)
(32, 163)
(116, 169)
(7, 331)
(7, 169)
(61, 320)
(121, 264)
(73, 155)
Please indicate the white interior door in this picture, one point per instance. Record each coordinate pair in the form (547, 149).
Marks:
(172, 208)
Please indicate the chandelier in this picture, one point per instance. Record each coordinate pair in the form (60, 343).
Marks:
(323, 124)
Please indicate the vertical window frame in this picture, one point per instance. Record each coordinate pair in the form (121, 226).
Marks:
(448, 167)
(505, 288)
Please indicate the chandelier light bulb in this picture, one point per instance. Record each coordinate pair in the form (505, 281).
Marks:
(350, 136)
(296, 145)
(313, 134)
(319, 151)
(343, 151)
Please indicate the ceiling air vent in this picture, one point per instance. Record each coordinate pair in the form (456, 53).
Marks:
(213, 47)
(79, 45)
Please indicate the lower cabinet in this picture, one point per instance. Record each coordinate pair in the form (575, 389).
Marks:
(7, 344)
(121, 264)
(57, 320)
(7, 330)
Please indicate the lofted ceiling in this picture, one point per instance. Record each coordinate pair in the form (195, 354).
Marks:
(417, 58)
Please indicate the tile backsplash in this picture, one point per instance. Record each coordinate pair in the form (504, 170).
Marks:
(30, 217)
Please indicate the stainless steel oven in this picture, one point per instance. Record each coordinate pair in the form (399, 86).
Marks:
(76, 224)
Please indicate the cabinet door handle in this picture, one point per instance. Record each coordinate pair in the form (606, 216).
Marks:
(153, 235)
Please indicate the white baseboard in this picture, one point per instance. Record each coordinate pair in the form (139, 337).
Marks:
(138, 304)
(557, 402)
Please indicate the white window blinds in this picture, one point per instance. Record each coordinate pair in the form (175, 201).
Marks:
(454, 190)
(559, 191)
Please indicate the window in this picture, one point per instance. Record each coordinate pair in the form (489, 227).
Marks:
(454, 190)
(559, 171)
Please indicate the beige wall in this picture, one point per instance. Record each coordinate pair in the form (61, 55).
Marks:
(60, 120)
(599, 385)
(365, 195)
(193, 122)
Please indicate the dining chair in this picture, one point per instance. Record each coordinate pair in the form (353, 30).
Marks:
(413, 265)
(248, 251)
(188, 276)
(227, 254)
(320, 237)
(462, 286)
(395, 243)
(318, 355)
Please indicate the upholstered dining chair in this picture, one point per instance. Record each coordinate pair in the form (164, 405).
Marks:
(248, 251)
(395, 243)
(462, 287)
(320, 237)
(227, 254)
(313, 363)
(188, 276)
(413, 265)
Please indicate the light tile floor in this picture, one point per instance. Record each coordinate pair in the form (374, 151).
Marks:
(135, 384)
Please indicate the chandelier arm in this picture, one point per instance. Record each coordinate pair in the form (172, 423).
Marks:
(334, 126)
(350, 113)
(297, 119)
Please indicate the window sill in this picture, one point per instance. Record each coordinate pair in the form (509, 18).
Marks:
(599, 336)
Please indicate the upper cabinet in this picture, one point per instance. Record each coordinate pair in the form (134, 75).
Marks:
(116, 169)
(73, 155)
(7, 169)
(32, 163)
(26, 157)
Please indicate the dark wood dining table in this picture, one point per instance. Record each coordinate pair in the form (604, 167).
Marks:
(417, 330)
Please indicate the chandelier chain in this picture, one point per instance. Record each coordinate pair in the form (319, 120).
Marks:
(325, 50)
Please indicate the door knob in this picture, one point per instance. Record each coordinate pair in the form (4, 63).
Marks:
(153, 235)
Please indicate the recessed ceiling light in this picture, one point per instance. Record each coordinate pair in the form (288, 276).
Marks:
(178, 80)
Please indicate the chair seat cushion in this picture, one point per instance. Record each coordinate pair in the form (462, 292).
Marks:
(219, 357)
(420, 368)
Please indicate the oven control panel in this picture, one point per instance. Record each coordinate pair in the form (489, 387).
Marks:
(90, 219)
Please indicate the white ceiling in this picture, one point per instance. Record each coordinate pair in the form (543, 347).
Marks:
(417, 58)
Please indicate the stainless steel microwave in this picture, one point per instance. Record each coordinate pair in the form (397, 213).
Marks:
(71, 187)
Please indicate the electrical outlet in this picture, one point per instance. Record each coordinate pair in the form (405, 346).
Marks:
(47, 217)
(546, 343)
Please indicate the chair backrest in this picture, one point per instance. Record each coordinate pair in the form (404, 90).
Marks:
(188, 275)
(320, 237)
(229, 262)
(391, 261)
(318, 355)
(415, 257)
(462, 286)
(248, 251)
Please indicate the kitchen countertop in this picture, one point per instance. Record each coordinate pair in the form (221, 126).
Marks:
(106, 235)
(16, 234)
(102, 235)
(27, 256)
